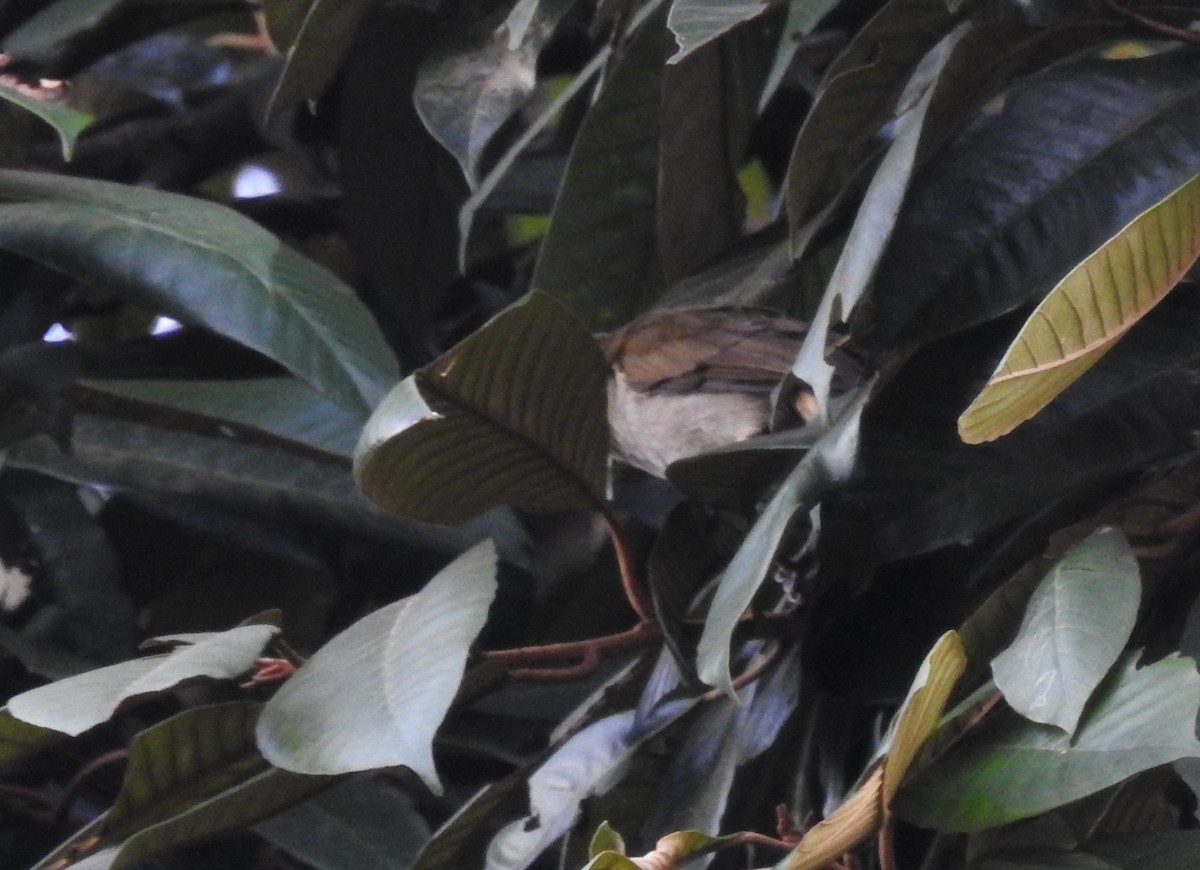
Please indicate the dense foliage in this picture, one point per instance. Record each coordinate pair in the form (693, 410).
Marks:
(315, 553)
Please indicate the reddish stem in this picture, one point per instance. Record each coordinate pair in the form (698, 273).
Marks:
(1160, 28)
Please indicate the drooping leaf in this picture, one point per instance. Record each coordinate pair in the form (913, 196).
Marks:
(859, 95)
(830, 460)
(997, 219)
(515, 414)
(919, 714)
(1011, 768)
(735, 476)
(358, 824)
(19, 738)
(312, 57)
(802, 18)
(67, 122)
(75, 704)
(203, 264)
(1087, 312)
(470, 86)
(243, 803)
(375, 694)
(598, 257)
(847, 826)
(1076, 625)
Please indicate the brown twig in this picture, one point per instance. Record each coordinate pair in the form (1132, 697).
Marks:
(1153, 25)
(635, 592)
(72, 788)
(585, 654)
(886, 843)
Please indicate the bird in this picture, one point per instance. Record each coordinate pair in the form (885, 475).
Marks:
(685, 381)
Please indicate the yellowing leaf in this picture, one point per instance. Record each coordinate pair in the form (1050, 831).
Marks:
(851, 823)
(923, 707)
(1085, 314)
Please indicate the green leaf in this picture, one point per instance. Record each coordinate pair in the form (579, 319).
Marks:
(605, 839)
(248, 801)
(859, 95)
(78, 703)
(697, 22)
(1086, 312)
(1126, 135)
(358, 824)
(67, 122)
(1162, 850)
(315, 53)
(283, 407)
(802, 18)
(598, 257)
(467, 89)
(376, 693)
(515, 415)
(204, 264)
(1010, 768)
(19, 739)
(830, 460)
(1075, 627)
(873, 224)
(178, 763)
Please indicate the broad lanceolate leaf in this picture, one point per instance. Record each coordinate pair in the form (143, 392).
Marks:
(598, 257)
(997, 219)
(19, 738)
(178, 763)
(515, 415)
(204, 264)
(873, 225)
(831, 459)
(78, 703)
(858, 97)
(1075, 626)
(375, 694)
(312, 58)
(919, 714)
(1086, 312)
(468, 89)
(67, 122)
(1010, 768)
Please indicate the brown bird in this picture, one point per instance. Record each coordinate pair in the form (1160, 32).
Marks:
(686, 381)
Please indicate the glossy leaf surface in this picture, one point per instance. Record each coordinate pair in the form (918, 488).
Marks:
(1087, 312)
(67, 122)
(513, 415)
(375, 694)
(1075, 627)
(207, 265)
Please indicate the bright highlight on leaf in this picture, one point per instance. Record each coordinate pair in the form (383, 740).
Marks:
(1084, 315)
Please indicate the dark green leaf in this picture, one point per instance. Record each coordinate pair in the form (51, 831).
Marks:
(1076, 625)
(313, 55)
(1162, 850)
(207, 265)
(1012, 768)
(1125, 137)
(513, 415)
(18, 738)
(736, 476)
(375, 694)
(599, 257)
(75, 704)
(359, 824)
(68, 123)
(859, 95)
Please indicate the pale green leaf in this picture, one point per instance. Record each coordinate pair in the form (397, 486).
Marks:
(78, 703)
(376, 693)
(1086, 312)
(1010, 768)
(1075, 627)
(696, 22)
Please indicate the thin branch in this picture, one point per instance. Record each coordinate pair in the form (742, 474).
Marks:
(1155, 26)
(72, 788)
